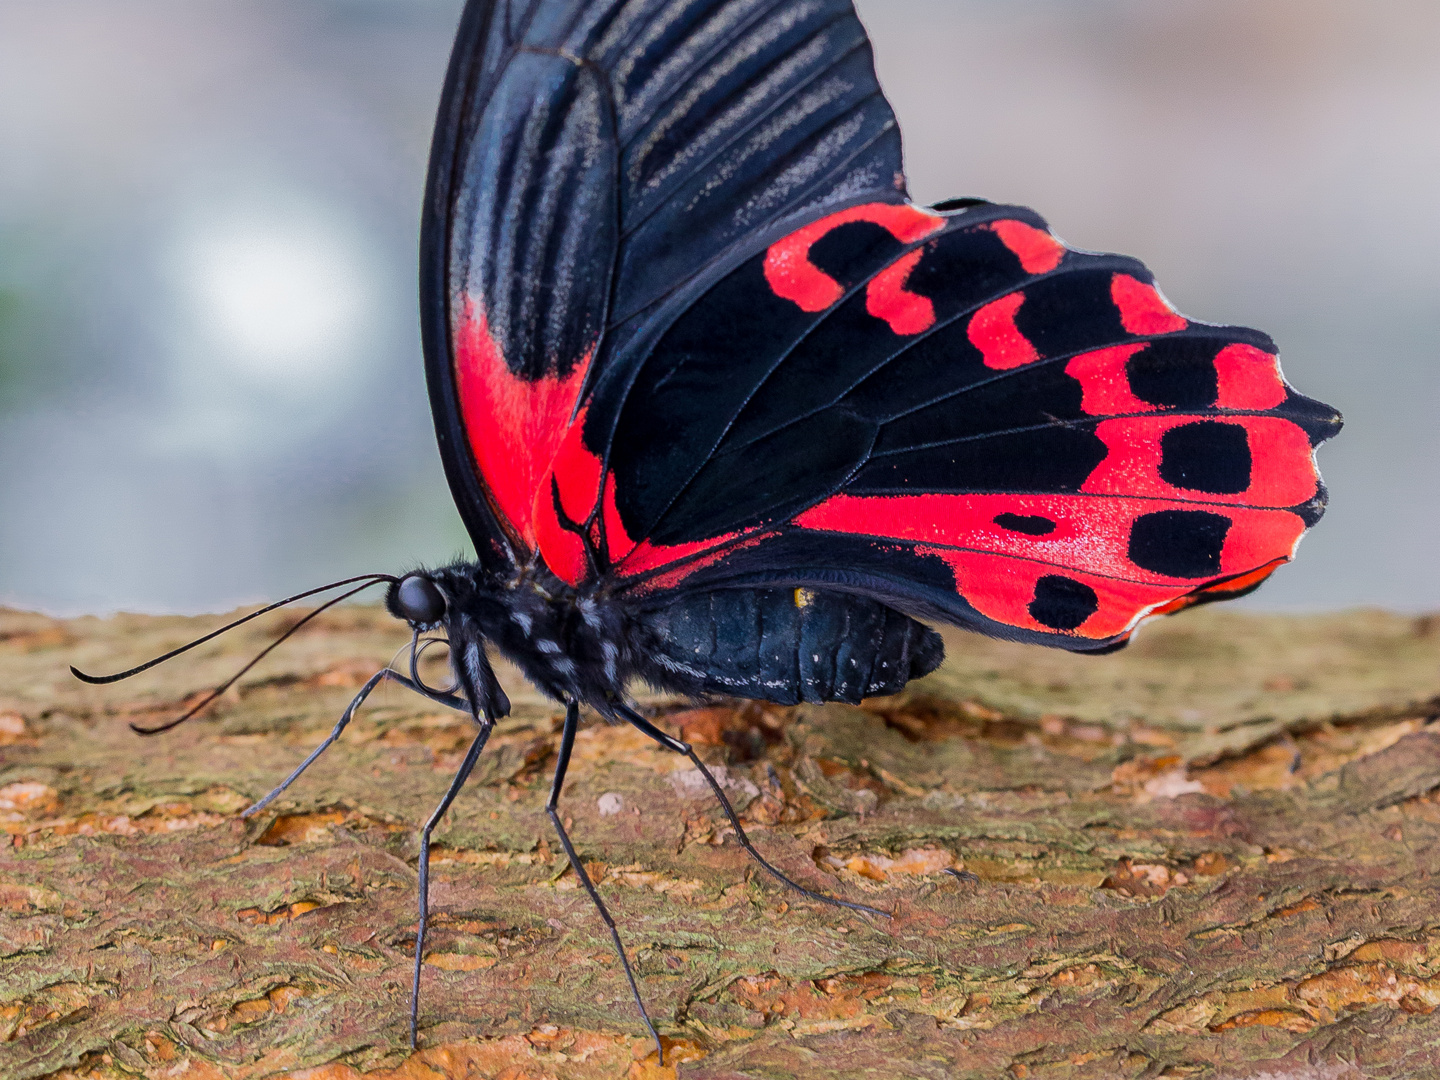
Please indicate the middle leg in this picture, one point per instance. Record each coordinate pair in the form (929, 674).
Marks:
(567, 744)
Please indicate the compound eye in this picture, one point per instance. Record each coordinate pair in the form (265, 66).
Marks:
(420, 601)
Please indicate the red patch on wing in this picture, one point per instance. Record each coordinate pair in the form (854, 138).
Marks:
(1004, 589)
(573, 481)
(1249, 378)
(1038, 251)
(1282, 471)
(1084, 534)
(906, 312)
(514, 426)
(1105, 383)
(683, 560)
(992, 331)
(793, 276)
(1142, 309)
(648, 556)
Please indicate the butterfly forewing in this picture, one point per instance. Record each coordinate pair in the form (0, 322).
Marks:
(591, 158)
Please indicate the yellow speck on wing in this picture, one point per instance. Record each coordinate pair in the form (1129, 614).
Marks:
(804, 598)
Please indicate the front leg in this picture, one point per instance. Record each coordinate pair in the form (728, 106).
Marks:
(439, 697)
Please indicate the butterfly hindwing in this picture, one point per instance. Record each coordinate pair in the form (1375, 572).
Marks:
(972, 422)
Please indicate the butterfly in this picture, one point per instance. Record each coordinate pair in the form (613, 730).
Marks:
(725, 412)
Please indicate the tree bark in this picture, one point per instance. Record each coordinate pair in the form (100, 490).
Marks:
(1212, 854)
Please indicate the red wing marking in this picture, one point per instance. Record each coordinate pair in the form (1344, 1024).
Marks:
(906, 312)
(514, 425)
(1143, 310)
(650, 556)
(992, 331)
(1282, 461)
(1038, 251)
(793, 276)
(573, 481)
(673, 578)
(1064, 531)
(576, 476)
(1007, 589)
(1106, 385)
(1249, 378)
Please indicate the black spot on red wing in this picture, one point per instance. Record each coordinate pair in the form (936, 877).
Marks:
(1062, 603)
(947, 205)
(1179, 543)
(1206, 456)
(1071, 312)
(849, 252)
(963, 269)
(1029, 524)
(1177, 373)
(1051, 459)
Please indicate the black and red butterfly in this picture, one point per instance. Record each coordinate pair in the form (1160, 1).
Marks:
(727, 413)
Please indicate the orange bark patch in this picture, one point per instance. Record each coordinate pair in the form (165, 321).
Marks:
(1356, 986)
(248, 1012)
(702, 727)
(27, 798)
(12, 728)
(676, 1052)
(452, 961)
(1211, 864)
(915, 861)
(516, 1057)
(1278, 1018)
(285, 913)
(1077, 977)
(309, 828)
(840, 998)
(1143, 880)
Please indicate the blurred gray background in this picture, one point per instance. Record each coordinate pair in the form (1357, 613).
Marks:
(210, 381)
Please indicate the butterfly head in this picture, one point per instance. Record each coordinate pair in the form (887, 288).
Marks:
(418, 600)
(452, 600)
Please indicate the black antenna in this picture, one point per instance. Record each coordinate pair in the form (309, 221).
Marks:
(369, 581)
(99, 680)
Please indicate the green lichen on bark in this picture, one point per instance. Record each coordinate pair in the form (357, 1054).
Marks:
(1211, 855)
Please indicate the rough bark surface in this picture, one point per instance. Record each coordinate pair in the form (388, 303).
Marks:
(1213, 855)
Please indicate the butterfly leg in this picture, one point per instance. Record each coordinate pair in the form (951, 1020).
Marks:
(375, 680)
(471, 756)
(567, 744)
(672, 743)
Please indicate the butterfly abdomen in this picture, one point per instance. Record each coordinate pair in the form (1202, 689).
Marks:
(786, 645)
